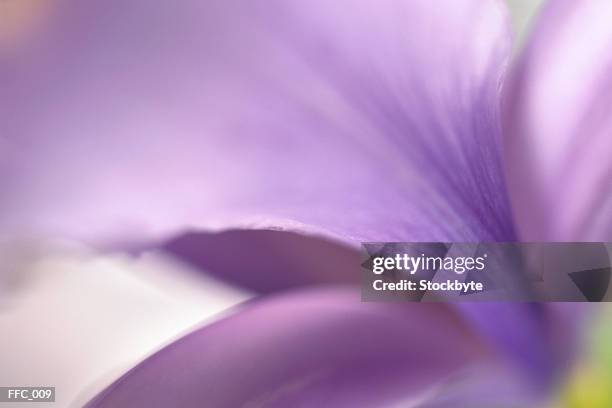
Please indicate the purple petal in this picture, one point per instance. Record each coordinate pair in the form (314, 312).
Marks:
(133, 120)
(268, 261)
(538, 340)
(558, 125)
(320, 348)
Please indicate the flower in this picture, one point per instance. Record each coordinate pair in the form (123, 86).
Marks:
(144, 121)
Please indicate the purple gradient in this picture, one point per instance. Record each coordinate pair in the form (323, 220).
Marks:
(314, 348)
(268, 261)
(142, 121)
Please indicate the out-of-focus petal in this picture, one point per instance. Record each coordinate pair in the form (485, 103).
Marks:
(540, 340)
(359, 120)
(268, 261)
(318, 348)
(558, 127)
(84, 319)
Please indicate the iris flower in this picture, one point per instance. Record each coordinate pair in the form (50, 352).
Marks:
(306, 127)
